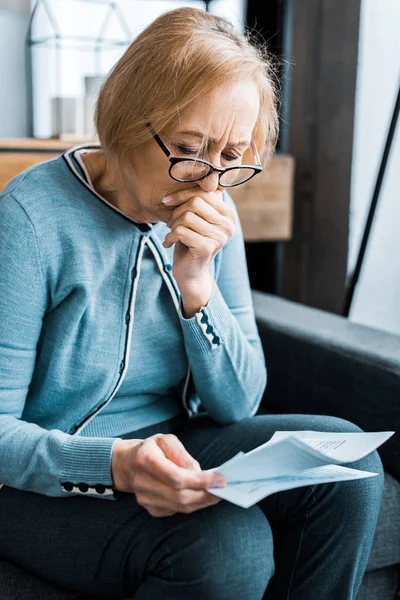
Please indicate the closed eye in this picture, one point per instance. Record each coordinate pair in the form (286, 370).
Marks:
(196, 152)
(188, 151)
(230, 157)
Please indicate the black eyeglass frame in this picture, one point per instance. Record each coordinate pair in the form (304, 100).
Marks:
(173, 159)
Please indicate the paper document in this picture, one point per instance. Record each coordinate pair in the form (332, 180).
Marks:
(293, 459)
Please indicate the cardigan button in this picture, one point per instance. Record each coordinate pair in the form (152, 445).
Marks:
(144, 227)
(100, 489)
(127, 318)
(68, 486)
(83, 487)
(133, 272)
(209, 329)
(216, 340)
(121, 366)
(167, 268)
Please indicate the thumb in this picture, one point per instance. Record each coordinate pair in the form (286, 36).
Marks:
(176, 452)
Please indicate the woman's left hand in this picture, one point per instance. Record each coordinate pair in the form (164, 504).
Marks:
(201, 224)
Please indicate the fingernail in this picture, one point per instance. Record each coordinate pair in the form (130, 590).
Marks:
(219, 483)
(167, 200)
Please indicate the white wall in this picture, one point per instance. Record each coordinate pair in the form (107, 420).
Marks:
(75, 65)
(14, 15)
(377, 298)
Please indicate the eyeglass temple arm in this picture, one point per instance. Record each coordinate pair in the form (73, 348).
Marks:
(159, 141)
(257, 156)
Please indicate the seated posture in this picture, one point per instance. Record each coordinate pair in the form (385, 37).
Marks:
(129, 356)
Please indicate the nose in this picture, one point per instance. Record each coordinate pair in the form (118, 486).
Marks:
(210, 183)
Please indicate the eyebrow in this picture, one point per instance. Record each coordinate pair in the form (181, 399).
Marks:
(198, 134)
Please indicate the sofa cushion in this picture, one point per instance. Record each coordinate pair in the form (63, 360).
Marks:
(320, 363)
(386, 547)
(379, 585)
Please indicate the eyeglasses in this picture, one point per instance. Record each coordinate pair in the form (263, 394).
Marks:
(193, 169)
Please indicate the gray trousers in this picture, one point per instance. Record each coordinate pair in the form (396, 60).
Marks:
(309, 543)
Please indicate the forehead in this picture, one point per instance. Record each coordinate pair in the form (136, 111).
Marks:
(228, 114)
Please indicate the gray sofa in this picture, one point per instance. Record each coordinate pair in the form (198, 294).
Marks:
(323, 364)
(319, 363)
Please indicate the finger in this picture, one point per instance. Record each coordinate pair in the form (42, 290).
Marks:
(178, 198)
(159, 512)
(200, 207)
(174, 450)
(151, 459)
(214, 199)
(175, 507)
(157, 494)
(200, 245)
(222, 207)
(186, 509)
(199, 225)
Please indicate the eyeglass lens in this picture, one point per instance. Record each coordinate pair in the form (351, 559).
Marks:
(190, 170)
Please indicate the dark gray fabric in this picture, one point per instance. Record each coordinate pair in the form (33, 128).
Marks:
(379, 585)
(320, 363)
(386, 547)
(18, 584)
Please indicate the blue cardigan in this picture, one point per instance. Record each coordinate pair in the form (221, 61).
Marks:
(69, 271)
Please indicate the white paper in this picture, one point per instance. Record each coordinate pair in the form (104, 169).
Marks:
(339, 447)
(294, 459)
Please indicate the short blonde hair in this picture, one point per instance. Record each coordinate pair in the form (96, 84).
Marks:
(182, 55)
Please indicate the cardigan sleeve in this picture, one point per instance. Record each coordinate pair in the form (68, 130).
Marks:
(222, 341)
(52, 463)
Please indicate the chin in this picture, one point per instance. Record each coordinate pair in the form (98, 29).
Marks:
(165, 213)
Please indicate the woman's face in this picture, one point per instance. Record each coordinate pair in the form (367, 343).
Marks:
(227, 116)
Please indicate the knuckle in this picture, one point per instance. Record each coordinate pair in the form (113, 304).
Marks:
(180, 229)
(187, 218)
(176, 482)
(209, 246)
(196, 203)
(143, 453)
(135, 481)
(140, 499)
(184, 498)
(170, 438)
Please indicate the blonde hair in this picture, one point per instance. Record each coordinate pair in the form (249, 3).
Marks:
(182, 55)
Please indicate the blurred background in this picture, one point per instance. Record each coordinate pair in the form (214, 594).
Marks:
(305, 220)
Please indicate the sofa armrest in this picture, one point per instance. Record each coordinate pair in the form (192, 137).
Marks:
(321, 363)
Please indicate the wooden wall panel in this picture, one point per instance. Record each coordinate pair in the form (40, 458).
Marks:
(323, 82)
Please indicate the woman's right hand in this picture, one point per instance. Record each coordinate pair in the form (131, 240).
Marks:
(165, 478)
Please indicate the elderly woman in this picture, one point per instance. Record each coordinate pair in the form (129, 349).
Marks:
(129, 355)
